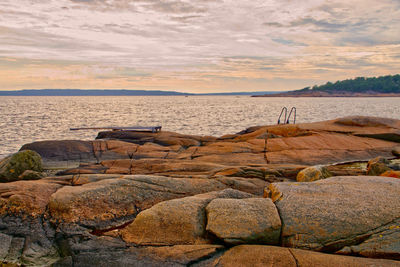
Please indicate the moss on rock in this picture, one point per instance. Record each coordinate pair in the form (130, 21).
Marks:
(13, 166)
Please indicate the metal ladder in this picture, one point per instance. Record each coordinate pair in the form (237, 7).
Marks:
(287, 118)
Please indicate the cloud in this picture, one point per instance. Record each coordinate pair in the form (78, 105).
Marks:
(195, 44)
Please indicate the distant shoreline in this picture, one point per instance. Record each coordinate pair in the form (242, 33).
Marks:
(329, 95)
(119, 92)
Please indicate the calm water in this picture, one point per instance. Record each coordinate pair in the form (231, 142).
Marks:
(28, 119)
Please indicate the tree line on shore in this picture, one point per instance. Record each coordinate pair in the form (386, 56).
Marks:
(382, 84)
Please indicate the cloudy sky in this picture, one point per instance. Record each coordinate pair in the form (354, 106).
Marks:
(197, 45)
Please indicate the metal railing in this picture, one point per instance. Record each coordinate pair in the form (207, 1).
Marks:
(287, 118)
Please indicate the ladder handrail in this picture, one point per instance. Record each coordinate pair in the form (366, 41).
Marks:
(294, 115)
(279, 119)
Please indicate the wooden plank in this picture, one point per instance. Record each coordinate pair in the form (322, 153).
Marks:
(116, 128)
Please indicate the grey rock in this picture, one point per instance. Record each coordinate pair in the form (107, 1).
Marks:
(5, 243)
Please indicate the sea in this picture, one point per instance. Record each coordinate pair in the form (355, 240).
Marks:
(26, 119)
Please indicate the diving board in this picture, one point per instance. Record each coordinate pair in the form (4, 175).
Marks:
(153, 129)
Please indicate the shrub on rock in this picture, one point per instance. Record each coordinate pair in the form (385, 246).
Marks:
(13, 166)
(377, 166)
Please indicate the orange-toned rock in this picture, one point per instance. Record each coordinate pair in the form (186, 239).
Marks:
(112, 202)
(238, 221)
(329, 214)
(259, 256)
(167, 167)
(313, 173)
(163, 138)
(177, 221)
(26, 197)
(256, 255)
(234, 159)
(394, 174)
(253, 186)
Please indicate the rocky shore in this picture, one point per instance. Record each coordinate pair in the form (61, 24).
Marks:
(315, 194)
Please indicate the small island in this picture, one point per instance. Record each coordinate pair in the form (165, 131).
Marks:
(383, 86)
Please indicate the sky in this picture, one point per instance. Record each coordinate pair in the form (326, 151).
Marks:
(200, 46)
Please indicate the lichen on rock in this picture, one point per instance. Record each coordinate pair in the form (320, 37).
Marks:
(13, 166)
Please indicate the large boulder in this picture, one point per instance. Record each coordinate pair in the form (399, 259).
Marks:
(257, 255)
(108, 203)
(333, 213)
(313, 173)
(13, 166)
(177, 221)
(236, 221)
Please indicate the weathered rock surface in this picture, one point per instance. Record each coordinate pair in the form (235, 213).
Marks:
(180, 255)
(112, 202)
(77, 150)
(26, 197)
(313, 173)
(178, 221)
(384, 244)
(15, 165)
(257, 255)
(253, 186)
(238, 221)
(329, 214)
(140, 188)
(27, 241)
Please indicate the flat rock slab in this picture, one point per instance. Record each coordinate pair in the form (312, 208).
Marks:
(328, 214)
(177, 221)
(179, 256)
(111, 202)
(236, 221)
(260, 256)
